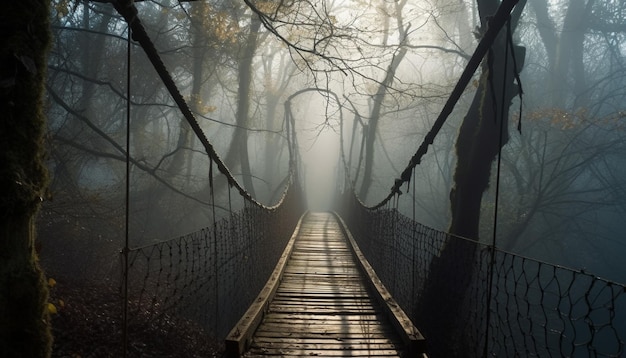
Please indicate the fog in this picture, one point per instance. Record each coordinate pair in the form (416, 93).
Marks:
(319, 148)
(380, 71)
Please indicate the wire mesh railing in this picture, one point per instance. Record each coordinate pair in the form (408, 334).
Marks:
(537, 309)
(206, 280)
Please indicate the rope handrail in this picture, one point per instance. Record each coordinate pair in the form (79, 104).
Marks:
(495, 25)
(128, 11)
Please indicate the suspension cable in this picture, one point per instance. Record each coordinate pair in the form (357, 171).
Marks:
(214, 228)
(498, 171)
(126, 249)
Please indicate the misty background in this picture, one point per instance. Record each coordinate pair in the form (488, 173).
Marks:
(378, 70)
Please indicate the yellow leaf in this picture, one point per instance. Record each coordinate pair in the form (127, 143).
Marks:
(52, 282)
(208, 109)
(61, 303)
(52, 309)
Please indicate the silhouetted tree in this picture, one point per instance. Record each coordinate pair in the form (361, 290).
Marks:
(478, 144)
(24, 317)
(379, 96)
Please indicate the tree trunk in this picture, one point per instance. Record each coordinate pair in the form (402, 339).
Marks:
(68, 171)
(572, 48)
(372, 127)
(272, 147)
(238, 151)
(477, 146)
(566, 70)
(379, 97)
(478, 140)
(186, 136)
(547, 29)
(24, 317)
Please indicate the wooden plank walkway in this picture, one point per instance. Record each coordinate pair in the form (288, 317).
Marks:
(320, 303)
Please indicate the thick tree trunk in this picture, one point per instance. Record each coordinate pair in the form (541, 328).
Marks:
(68, 172)
(372, 128)
(186, 136)
(566, 71)
(272, 147)
(24, 318)
(478, 141)
(379, 97)
(571, 49)
(238, 151)
(477, 146)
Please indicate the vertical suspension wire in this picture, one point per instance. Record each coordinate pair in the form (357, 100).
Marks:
(414, 194)
(497, 193)
(125, 251)
(215, 278)
(413, 241)
(394, 243)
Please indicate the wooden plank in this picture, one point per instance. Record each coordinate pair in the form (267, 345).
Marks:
(327, 345)
(331, 317)
(328, 341)
(362, 329)
(320, 287)
(317, 321)
(323, 290)
(286, 309)
(324, 352)
(311, 335)
(322, 299)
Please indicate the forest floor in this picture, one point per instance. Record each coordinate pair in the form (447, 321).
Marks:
(82, 267)
(88, 324)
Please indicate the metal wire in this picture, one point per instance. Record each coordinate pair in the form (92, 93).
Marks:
(127, 205)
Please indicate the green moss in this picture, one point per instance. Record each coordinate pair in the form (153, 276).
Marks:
(24, 319)
(23, 50)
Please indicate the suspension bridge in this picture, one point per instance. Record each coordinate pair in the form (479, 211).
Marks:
(365, 281)
(324, 299)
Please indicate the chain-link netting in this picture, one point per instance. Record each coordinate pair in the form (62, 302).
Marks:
(210, 277)
(534, 309)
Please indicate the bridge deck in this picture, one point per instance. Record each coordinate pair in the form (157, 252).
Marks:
(322, 303)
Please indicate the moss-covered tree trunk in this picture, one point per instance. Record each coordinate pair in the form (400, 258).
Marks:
(24, 320)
